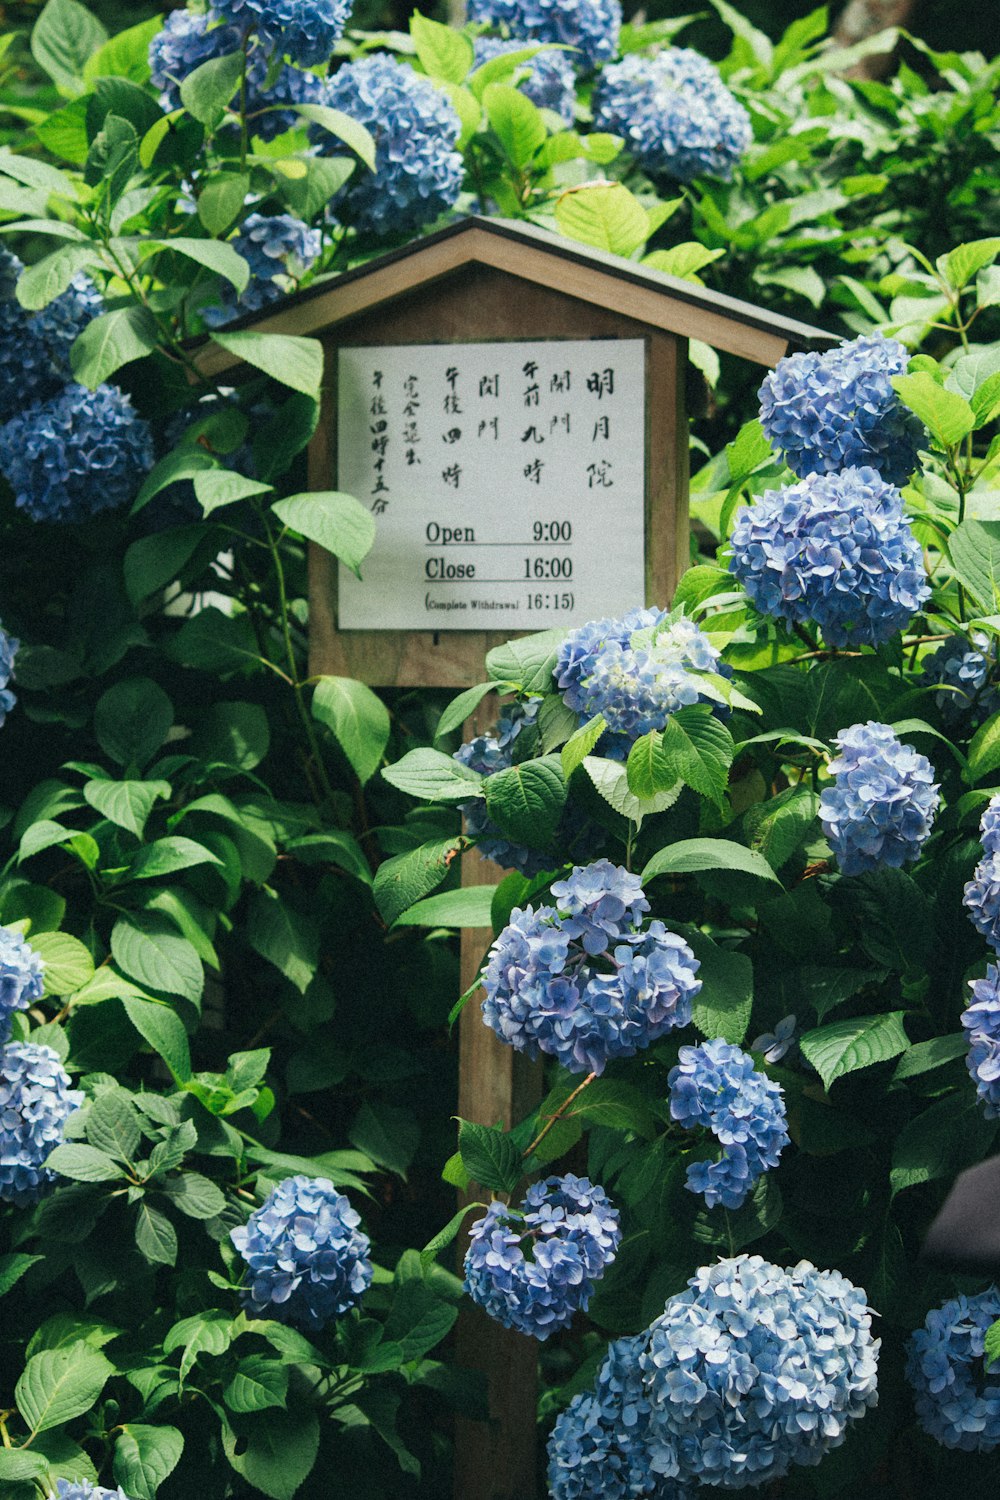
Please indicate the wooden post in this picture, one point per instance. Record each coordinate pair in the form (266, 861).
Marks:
(498, 1459)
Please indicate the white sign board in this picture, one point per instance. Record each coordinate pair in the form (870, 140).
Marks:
(507, 482)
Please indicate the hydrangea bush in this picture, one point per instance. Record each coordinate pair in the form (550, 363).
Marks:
(732, 933)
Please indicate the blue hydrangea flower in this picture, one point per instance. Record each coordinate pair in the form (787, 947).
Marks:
(981, 1023)
(304, 30)
(291, 86)
(550, 82)
(957, 1399)
(981, 897)
(755, 1368)
(82, 1489)
(589, 26)
(21, 981)
(675, 113)
(79, 453)
(279, 249)
(35, 1102)
(585, 983)
(964, 667)
(636, 671)
(577, 837)
(598, 1449)
(35, 346)
(716, 1085)
(308, 1260)
(570, 1231)
(774, 1044)
(9, 648)
(881, 807)
(186, 41)
(838, 410)
(834, 548)
(418, 172)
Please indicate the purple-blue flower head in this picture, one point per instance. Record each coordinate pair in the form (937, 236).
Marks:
(307, 1260)
(77, 454)
(82, 1489)
(755, 1368)
(964, 666)
(279, 249)
(584, 982)
(880, 810)
(675, 113)
(981, 897)
(306, 31)
(981, 1023)
(9, 648)
(838, 410)
(21, 978)
(418, 172)
(549, 80)
(957, 1397)
(532, 1268)
(591, 27)
(717, 1086)
(34, 347)
(36, 1100)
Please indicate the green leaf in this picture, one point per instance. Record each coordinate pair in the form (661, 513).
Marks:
(962, 263)
(859, 1042)
(984, 751)
(110, 341)
(690, 856)
(215, 488)
(405, 878)
(417, 1321)
(606, 215)
(126, 55)
(286, 939)
(182, 464)
(155, 1236)
(214, 255)
(490, 1156)
(209, 1332)
(344, 127)
(684, 260)
(335, 521)
(68, 964)
(778, 828)
(335, 847)
(113, 1125)
(232, 734)
(13, 1267)
(386, 1133)
(259, 1382)
(62, 39)
(166, 856)
(940, 1141)
(722, 1008)
(83, 1163)
(357, 719)
(698, 750)
(221, 200)
(447, 1235)
(515, 121)
(466, 906)
(154, 561)
(279, 1453)
(443, 52)
(924, 1056)
(209, 88)
(434, 777)
(60, 1384)
(460, 708)
(22, 1463)
(148, 948)
(527, 662)
(526, 801)
(131, 720)
(144, 1457)
(991, 1343)
(580, 744)
(48, 278)
(946, 415)
(195, 1195)
(292, 361)
(127, 804)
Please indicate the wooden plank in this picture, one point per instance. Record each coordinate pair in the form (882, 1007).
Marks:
(498, 1459)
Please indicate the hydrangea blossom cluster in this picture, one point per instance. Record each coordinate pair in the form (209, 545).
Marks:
(550, 82)
(838, 410)
(755, 1368)
(418, 172)
(981, 1023)
(957, 1399)
(8, 650)
(21, 982)
(583, 982)
(636, 671)
(964, 667)
(834, 548)
(716, 1085)
(189, 39)
(77, 454)
(304, 30)
(278, 248)
(572, 1233)
(589, 26)
(35, 346)
(881, 808)
(82, 1489)
(576, 834)
(677, 116)
(308, 1260)
(599, 1446)
(35, 1102)
(981, 897)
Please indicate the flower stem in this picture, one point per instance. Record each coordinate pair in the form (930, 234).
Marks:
(560, 1112)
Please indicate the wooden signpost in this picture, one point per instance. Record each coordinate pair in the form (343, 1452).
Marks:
(511, 407)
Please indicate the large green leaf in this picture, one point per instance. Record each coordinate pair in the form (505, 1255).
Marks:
(722, 1008)
(606, 215)
(208, 89)
(131, 720)
(145, 1456)
(344, 127)
(406, 878)
(60, 1384)
(610, 779)
(278, 1452)
(526, 801)
(434, 777)
(466, 906)
(984, 751)
(163, 1029)
(515, 121)
(284, 937)
(490, 1156)
(150, 950)
(974, 548)
(698, 750)
(691, 856)
(946, 414)
(63, 38)
(259, 1382)
(295, 362)
(527, 662)
(333, 520)
(68, 964)
(167, 856)
(127, 804)
(951, 1134)
(443, 52)
(859, 1042)
(110, 341)
(358, 720)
